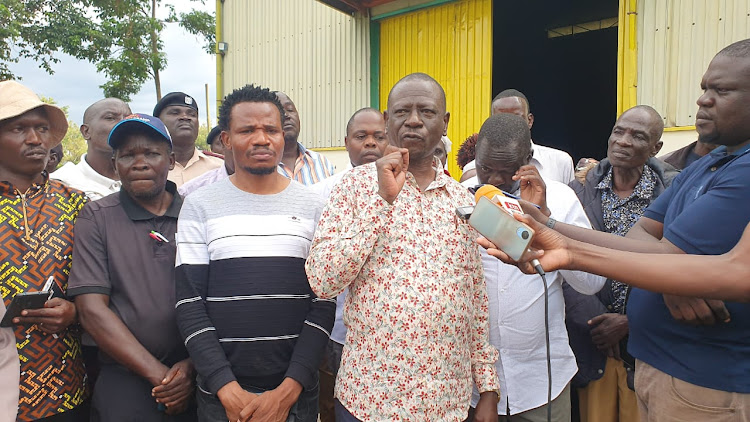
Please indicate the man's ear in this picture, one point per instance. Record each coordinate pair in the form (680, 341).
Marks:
(172, 160)
(445, 120)
(85, 131)
(531, 120)
(224, 138)
(657, 148)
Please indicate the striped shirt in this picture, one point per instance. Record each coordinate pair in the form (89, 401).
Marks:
(310, 167)
(244, 307)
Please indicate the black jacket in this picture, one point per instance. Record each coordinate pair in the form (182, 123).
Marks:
(580, 308)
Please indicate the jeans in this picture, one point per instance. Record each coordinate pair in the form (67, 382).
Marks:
(304, 410)
(343, 415)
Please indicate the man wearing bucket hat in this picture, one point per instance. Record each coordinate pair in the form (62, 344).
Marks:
(179, 112)
(122, 281)
(36, 231)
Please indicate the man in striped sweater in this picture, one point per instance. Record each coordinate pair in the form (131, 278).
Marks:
(254, 329)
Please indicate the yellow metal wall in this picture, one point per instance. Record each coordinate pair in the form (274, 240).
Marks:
(453, 44)
(676, 41)
(320, 57)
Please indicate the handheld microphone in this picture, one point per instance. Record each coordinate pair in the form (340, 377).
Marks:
(509, 205)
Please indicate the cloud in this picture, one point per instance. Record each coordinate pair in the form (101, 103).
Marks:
(76, 83)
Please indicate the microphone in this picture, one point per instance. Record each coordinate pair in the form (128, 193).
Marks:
(509, 205)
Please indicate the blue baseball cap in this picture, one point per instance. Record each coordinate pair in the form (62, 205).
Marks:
(137, 120)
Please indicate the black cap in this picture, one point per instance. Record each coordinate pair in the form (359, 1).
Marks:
(175, 98)
(213, 134)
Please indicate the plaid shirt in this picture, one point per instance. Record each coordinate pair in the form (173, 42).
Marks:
(310, 167)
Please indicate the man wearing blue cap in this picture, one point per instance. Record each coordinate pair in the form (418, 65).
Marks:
(179, 112)
(122, 281)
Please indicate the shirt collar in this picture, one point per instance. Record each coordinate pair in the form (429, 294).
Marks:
(197, 155)
(137, 213)
(644, 189)
(7, 189)
(722, 151)
(94, 176)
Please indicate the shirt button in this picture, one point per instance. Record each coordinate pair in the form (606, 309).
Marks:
(601, 371)
(713, 168)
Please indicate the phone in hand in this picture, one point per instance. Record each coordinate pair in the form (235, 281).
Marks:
(499, 227)
(21, 301)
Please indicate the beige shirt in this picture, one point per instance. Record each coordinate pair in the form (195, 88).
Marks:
(198, 164)
(9, 372)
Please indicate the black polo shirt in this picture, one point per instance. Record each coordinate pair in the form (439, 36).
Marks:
(115, 254)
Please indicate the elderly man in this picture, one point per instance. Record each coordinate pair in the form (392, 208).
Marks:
(123, 267)
(179, 112)
(254, 329)
(615, 195)
(299, 163)
(417, 305)
(36, 225)
(94, 174)
(517, 325)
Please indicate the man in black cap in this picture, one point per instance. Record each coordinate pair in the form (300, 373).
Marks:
(122, 281)
(214, 142)
(179, 112)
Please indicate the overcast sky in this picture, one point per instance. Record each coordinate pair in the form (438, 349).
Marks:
(76, 83)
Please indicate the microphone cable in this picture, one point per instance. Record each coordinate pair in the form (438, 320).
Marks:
(540, 271)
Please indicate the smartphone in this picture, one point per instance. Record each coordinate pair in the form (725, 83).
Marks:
(21, 301)
(508, 234)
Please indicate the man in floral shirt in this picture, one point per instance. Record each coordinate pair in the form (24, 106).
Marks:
(417, 306)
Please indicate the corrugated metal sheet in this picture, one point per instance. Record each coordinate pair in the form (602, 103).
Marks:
(677, 40)
(320, 57)
(453, 44)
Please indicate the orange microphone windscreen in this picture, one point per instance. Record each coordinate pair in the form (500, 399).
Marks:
(488, 191)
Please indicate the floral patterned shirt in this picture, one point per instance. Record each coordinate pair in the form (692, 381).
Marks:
(621, 214)
(417, 310)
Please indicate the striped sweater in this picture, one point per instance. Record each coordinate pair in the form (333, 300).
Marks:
(244, 307)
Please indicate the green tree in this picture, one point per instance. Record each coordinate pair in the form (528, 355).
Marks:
(74, 146)
(121, 37)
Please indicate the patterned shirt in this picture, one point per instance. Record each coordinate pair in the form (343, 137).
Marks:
(620, 214)
(36, 228)
(309, 168)
(417, 310)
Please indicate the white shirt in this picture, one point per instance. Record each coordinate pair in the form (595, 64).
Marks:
(84, 178)
(517, 318)
(553, 164)
(324, 188)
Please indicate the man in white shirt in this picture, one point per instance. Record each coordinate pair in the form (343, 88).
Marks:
(517, 318)
(95, 174)
(553, 164)
(365, 142)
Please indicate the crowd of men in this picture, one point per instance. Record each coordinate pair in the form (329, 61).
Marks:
(254, 283)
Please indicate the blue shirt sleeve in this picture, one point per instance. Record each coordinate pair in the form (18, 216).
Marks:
(658, 209)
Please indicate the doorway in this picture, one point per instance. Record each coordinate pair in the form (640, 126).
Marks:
(563, 56)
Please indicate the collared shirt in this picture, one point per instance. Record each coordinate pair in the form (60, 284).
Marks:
(417, 305)
(324, 188)
(621, 214)
(204, 179)
(83, 177)
(198, 164)
(309, 168)
(115, 255)
(37, 231)
(517, 318)
(704, 212)
(552, 163)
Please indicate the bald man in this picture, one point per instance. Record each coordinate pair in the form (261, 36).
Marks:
(95, 174)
